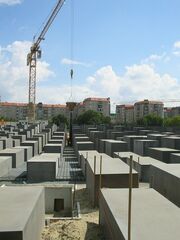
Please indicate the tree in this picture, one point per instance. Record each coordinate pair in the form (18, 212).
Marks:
(59, 119)
(151, 120)
(93, 117)
(172, 122)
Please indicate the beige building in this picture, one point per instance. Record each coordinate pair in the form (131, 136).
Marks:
(18, 111)
(98, 104)
(124, 114)
(143, 108)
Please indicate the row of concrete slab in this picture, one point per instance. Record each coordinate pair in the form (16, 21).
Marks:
(155, 161)
(31, 151)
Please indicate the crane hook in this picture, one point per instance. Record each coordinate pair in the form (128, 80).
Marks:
(72, 73)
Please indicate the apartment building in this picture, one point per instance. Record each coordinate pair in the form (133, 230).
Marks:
(143, 108)
(124, 114)
(98, 104)
(19, 111)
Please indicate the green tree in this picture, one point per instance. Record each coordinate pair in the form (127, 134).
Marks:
(59, 119)
(93, 117)
(153, 120)
(150, 120)
(172, 122)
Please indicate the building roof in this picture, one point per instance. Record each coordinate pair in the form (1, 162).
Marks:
(126, 106)
(149, 102)
(13, 104)
(95, 99)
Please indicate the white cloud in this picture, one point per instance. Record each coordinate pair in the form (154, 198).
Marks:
(67, 61)
(154, 58)
(138, 82)
(10, 2)
(177, 44)
(14, 73)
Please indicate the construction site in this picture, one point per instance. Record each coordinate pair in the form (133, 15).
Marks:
(64, 179)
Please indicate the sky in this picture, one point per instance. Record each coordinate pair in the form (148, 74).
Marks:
(123, 49)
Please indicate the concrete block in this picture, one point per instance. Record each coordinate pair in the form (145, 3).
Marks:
(22, 213)
(130, 140)
(41, 168)
(115, 146)
(150, 212)
(53, 148)
(39, 140)
(175, 158)
(7, 142)
(162, 154)
(64, 193)
(141, 146)
(5, 165)
(83, 146)
(166, 180)
(102, 145)
(33, 144)
(171, 142)
(16, 154)
(158, 137)
(16, 142)
(28, 152)
(115, 174)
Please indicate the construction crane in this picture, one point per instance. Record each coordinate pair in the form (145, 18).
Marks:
(33, 55)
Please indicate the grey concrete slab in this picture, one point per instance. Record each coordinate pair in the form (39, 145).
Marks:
(84, 155)
(151, 214)
(141, 146)
(59, 133)
(112, 146)
(16, 142)
(115, 174)
(171, 142)
(175, 158)
(39, 140)
(1, 145)
(42, 168)
(5, 165)
(162, 154)
(7, 142)
(33, 144)
(114, 135)
(16, 154)
(156, 136)
(28, 152)
(102, 145)
(130, 140)
(53, 148)
(83, 146)
(56, 141)
(21, 137)
(140, 163)
(166, 180)
(22, 213)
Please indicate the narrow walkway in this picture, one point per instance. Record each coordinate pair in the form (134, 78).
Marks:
(69, 169)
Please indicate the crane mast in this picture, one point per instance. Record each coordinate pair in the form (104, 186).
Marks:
(32, 57)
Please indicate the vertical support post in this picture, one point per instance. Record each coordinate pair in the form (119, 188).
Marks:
(70, 129)
(94, 180)
(130, 197)
(100, 175)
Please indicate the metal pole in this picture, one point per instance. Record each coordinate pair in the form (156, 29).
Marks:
(130, 197)
(100, 176)
(94, 178)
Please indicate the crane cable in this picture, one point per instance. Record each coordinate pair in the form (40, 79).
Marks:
(72, 44)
